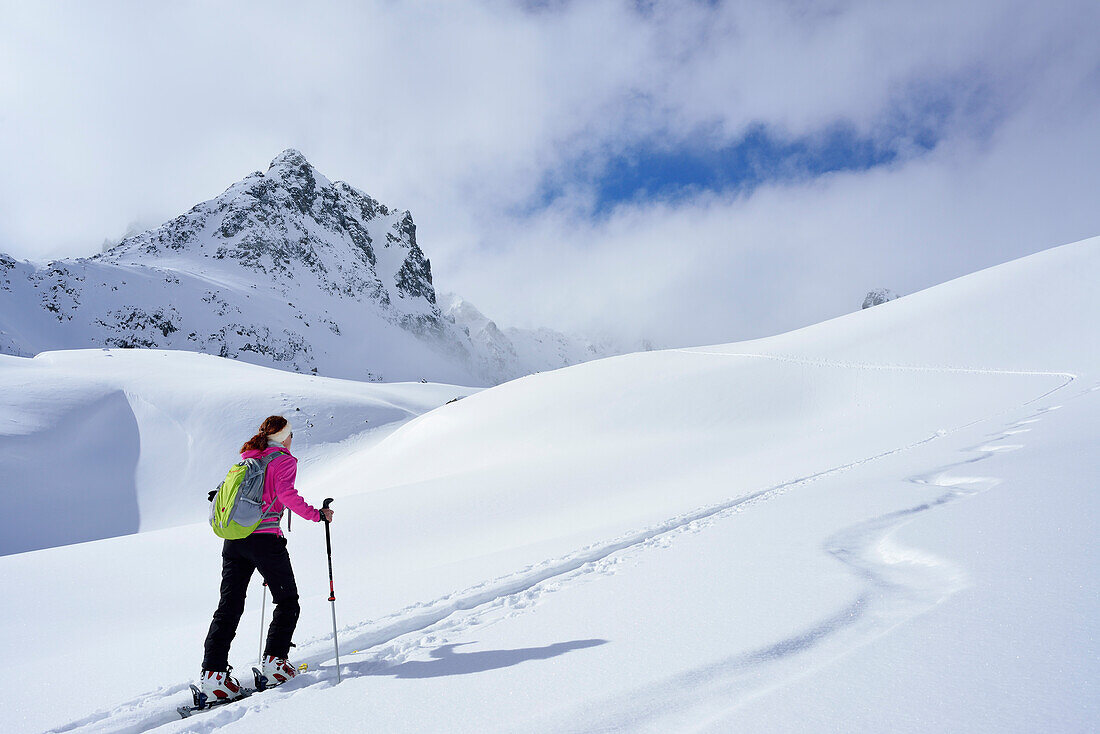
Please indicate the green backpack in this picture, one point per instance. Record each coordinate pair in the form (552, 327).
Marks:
(237, 508)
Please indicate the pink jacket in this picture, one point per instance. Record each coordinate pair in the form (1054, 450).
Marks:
(279, 491)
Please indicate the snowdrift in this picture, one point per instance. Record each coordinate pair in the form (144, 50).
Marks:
(109, 442)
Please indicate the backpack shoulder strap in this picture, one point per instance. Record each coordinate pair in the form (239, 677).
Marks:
(263, 462)
(271, 457)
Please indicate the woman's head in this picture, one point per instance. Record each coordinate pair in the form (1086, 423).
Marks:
(275, 428)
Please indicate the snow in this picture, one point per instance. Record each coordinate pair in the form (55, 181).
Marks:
(885, 522)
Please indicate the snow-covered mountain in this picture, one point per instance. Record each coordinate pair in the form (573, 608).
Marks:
(284, 269)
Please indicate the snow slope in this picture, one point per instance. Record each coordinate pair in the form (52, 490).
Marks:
(882, 522)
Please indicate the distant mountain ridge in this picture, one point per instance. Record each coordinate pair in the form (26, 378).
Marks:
(284, 269)
(525, 350)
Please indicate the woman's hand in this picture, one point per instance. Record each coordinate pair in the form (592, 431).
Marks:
(326, 515)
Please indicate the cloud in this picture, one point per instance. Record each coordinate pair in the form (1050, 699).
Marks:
(470, 113)
(726, 267)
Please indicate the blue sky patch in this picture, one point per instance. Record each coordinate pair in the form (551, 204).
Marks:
(671, 168)
(655, 170)
(660, 169)
(676, 167)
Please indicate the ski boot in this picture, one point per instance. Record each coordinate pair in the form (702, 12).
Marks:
(275, 672)
(218, 685)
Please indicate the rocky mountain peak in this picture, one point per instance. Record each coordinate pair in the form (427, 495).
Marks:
(292, 166)
(291, 157)
(291, 225)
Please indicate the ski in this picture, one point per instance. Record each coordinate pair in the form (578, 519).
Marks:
(201, 704)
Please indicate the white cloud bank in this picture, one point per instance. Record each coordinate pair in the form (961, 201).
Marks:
(116, 112)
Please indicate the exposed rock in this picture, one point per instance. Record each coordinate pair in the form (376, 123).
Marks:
(878, 296)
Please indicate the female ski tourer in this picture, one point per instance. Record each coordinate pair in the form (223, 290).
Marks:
(263, 550)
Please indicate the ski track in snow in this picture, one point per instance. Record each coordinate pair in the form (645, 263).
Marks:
(901, 584)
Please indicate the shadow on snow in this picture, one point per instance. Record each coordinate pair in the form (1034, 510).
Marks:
(445, 661)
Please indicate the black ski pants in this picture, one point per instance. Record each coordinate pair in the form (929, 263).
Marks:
(267, 553)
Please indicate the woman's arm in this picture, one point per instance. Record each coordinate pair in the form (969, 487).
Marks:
(286, 471)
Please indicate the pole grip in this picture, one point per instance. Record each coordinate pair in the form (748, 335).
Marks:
(324, 506)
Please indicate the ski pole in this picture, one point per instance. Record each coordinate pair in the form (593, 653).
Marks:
(263, 603)
(331, 589)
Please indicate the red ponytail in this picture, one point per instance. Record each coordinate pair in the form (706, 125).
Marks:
(271, 425)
